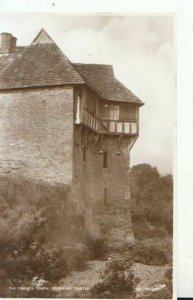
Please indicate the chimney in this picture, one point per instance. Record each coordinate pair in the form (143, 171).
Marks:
(7, 43)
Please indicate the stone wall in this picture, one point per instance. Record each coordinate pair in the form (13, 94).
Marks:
(38, 139)
(36, 133)
(106, 190)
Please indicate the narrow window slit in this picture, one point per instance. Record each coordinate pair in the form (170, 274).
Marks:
(84, 153)
(105, 196)
(105, 160)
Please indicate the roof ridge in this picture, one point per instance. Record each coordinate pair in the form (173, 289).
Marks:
(70, 62)
(54, 43)
(21, 72)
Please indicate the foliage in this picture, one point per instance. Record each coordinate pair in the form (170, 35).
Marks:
(152, 211)
(152, 202)
(41, 236)
(118, 279)
(97, 248)
(37, 236)
(150, 255)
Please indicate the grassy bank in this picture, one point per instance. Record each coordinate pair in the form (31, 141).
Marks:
(41, 236)
(44, 240)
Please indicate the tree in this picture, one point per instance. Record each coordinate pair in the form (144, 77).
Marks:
(152, 197)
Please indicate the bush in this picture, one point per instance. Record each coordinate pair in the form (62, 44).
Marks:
(149, 255)
(38, 235)
(97, 248)
(118, 282)
(152, 201)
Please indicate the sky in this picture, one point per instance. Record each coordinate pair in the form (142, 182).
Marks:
(141, 50)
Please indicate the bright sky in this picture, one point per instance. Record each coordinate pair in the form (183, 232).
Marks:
(141, 49)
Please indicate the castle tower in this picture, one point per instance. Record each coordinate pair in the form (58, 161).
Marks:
(106, 127)
(69, 123)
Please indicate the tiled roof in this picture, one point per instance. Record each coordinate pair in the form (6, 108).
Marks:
(101, 79)
(44, 64)
(7, 60)
(37, 65)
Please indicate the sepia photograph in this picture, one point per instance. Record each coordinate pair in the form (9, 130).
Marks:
(87, 117)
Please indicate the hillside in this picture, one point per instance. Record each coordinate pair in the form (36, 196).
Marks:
(44, 242)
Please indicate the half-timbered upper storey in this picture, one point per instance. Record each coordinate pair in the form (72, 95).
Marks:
(105, 104)
(105, 116)
(101, 101)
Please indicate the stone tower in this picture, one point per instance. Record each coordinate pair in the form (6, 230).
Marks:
(69, 123)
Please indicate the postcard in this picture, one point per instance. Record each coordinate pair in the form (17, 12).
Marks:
(87, 123)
